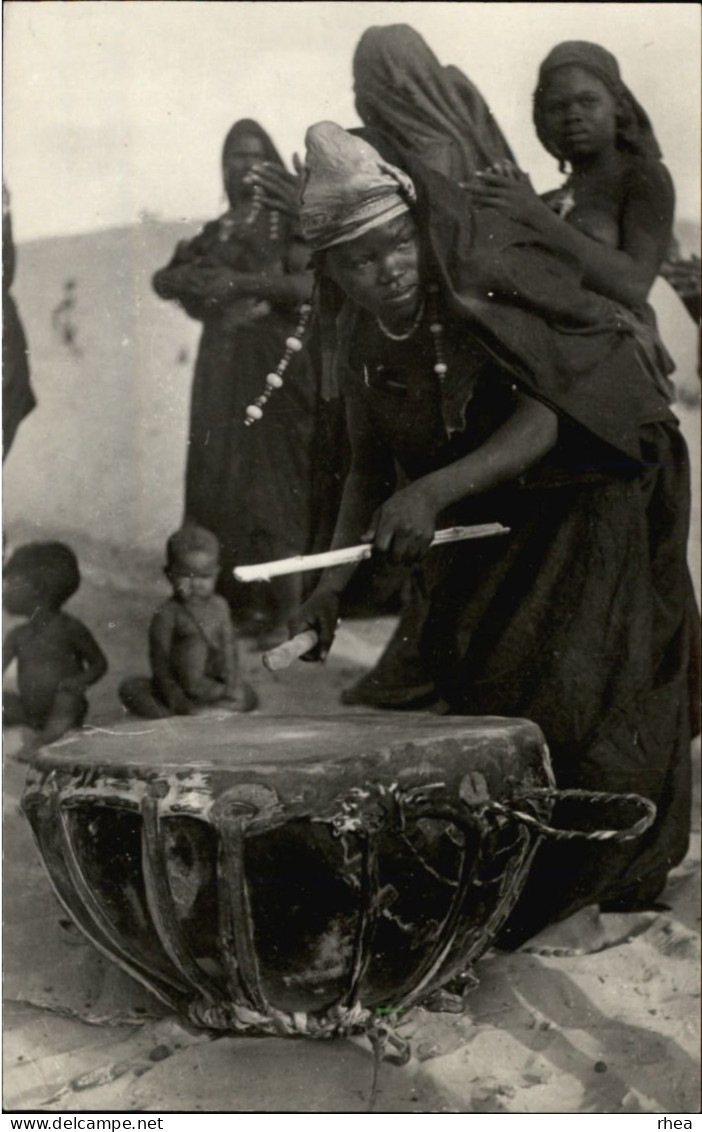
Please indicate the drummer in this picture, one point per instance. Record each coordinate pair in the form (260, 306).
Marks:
(581, 618)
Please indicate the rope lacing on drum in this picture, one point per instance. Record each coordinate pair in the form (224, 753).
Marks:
(337, 1022)
(509, 810)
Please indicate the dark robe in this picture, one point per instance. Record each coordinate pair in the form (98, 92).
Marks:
(17, 396)
(583, 618)
(252, 487)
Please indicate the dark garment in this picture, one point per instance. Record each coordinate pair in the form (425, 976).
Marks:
(582, 619)
(250, 486)
(435, 112)
(17, 397)
(254, 485)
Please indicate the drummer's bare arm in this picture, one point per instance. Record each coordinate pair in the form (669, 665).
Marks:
(404, 527)
(161, 644)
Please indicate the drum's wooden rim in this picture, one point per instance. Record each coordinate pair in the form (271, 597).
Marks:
(221, 742)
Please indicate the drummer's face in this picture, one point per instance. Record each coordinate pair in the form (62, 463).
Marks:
(381, 271)
(194, 576)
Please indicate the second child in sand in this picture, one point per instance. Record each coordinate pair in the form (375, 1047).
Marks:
(192, 645)
(57, 657)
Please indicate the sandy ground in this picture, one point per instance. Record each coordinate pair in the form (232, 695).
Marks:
(612, 1032)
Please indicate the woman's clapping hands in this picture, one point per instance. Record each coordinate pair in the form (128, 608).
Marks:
(281, 190)
(505, 187)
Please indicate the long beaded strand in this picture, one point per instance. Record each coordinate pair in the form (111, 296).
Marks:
(274, 380)
(436, 329)
(229, 226)
(293, 345)
(273, 225)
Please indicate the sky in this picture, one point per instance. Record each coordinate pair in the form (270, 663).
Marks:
(112, 108)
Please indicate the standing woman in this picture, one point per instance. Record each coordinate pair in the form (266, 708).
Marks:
(244, 277)
(433, 112)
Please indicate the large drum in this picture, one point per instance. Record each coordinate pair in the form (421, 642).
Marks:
(286, 874)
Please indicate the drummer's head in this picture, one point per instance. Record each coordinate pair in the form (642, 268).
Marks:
(355, 214)
(39, 575)
(192, 563)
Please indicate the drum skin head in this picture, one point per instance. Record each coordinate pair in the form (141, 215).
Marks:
(229, 740)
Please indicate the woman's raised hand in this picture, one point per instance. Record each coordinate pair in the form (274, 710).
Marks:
(321, 613)
(508, 189)
(403, 528)
(505, 169)
(281, 190)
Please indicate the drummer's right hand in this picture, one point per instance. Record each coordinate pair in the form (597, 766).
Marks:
(321, 613)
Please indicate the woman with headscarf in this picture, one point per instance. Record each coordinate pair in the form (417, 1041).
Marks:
(244, 277)
(618, 200)
(530, 411)
(435, 113)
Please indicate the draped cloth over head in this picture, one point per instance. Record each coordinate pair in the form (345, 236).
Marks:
(430, 110)
(348, 189)
(635, 132)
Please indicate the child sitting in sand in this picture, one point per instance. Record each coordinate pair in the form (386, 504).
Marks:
(57, 657)
(193, 649)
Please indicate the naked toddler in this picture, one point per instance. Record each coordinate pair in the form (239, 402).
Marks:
(57, 657)
(192, 646)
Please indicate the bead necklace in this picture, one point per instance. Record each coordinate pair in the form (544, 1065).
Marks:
(436, 329)
(274, 380)
(408, 333)
(230, 227)
(293, 345)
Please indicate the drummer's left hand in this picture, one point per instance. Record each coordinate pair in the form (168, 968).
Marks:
(403, 528)
(281, 190)
(509, 190)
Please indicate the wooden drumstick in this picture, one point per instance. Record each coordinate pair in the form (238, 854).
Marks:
(264, 571)
(285, 654)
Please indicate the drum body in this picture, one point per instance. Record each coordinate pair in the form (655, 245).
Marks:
(289, 874)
